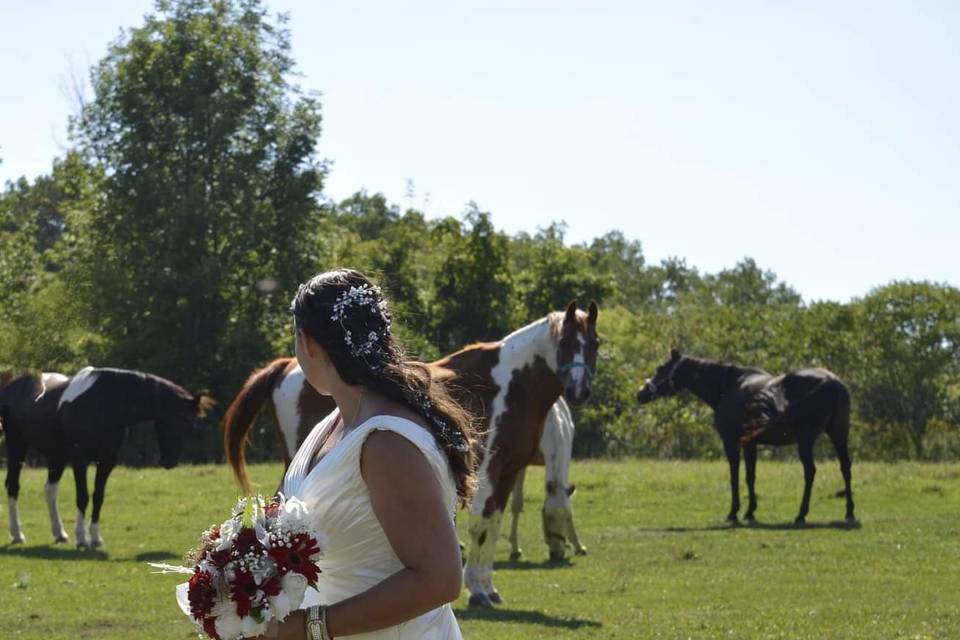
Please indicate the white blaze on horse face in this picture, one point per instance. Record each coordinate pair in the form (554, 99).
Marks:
(578, 372)
(286, 399)
(79, 385)
(56, 524)
(16, 533)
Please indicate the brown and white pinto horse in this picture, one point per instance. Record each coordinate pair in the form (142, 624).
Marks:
(297, 408)
(511, 386)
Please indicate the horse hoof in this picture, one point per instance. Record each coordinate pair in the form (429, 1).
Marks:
(495, 598)
(516, 555)
(800, 521)
(61, 540)
(96, 544)
(733, 520)
(581, 551)
(480, 600)
(750, 519)
(18, 540)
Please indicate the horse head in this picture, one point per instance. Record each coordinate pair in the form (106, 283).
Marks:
(664, 382)
(174, 427)
(577, 344)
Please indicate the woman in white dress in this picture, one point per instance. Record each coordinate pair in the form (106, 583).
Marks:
(381, 476)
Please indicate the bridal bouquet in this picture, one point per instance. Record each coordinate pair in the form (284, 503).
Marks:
(250, 570)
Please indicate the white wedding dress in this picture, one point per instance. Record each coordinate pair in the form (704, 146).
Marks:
(357, 554)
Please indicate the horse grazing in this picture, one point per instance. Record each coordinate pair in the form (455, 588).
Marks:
(510, 386)
(83, 420)
(297, 408)
(751, 407)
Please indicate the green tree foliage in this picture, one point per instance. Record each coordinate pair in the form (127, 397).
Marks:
(210, 176)
(174, 235)
(474, 287)
(911, 344)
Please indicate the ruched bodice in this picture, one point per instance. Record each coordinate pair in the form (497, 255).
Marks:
(358, 554)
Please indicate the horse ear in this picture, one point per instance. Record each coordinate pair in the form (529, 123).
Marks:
(203, 402)
(592, 312)
(674, 354)
(572, 310)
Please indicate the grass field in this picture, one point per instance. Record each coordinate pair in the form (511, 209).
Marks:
(662, 564)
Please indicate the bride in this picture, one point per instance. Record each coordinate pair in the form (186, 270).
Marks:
(381, 476)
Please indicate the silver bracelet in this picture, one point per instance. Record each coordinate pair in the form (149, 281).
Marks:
(316, 623)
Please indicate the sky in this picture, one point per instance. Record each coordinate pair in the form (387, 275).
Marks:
(821, 139)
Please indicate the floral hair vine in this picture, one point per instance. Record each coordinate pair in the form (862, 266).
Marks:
(451, 435)
(359, 297)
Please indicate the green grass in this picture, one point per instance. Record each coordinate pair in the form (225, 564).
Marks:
(661, 565)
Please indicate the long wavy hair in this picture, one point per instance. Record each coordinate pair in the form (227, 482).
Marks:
(347, 315)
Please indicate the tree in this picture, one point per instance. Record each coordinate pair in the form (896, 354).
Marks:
(473, 287)
(911, 345)
(208, 152)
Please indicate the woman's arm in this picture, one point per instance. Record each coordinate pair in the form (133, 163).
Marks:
(408, 501)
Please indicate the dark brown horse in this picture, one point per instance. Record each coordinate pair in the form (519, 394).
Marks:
(751, 407)
(83, 420)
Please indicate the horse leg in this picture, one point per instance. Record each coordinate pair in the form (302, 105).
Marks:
(478, 569)
(750, 461)
(99, 488)
(578, 547)
(83, 497)
(805, 449)
(51, 488)
(843, 455)
(732, 450)
(14, 465)
(516, 507)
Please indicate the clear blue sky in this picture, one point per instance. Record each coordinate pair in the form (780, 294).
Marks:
(821, 138)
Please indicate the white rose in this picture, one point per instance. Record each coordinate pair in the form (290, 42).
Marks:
(293, 512)
(250, 627)
(227, 533)
(228, 623)
(293, 585)
(281, 605)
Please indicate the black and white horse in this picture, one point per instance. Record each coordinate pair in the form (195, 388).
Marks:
(83, 420)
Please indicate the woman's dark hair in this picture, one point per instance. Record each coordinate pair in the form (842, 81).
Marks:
(347, 315)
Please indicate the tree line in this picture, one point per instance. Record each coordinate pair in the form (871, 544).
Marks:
(173, 233)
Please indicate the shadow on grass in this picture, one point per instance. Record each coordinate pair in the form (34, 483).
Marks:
(840, 525)
(524, 617)
(527, 565)
(59, 552)
(155, 556)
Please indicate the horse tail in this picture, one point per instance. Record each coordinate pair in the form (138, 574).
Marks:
(243, 411)
(841, 413)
